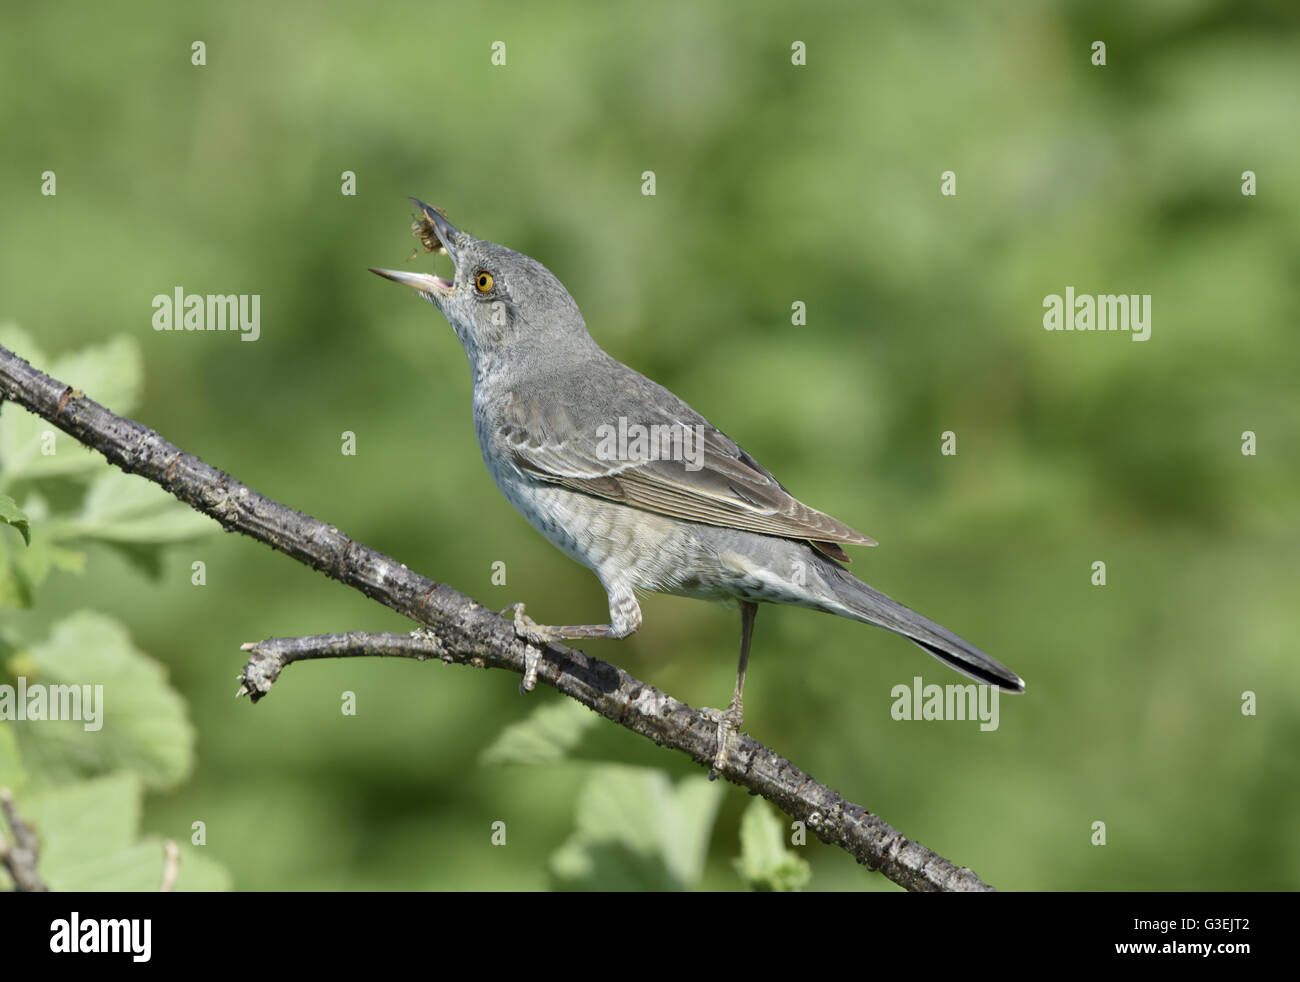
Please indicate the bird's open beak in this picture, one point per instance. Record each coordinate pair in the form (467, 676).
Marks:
(427, 284)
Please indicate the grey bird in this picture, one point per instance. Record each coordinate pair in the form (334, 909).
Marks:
(563, 430)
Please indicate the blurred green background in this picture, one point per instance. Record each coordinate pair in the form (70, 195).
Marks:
(775, 183)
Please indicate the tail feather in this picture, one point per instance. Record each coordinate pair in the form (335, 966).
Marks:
(864, 603)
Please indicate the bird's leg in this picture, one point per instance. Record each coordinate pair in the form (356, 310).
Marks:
(624, 618)
(730, 719)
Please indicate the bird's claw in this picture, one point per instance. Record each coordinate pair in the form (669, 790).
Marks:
(526, 627)
(728, 721)
(528, 630)
(531, 658)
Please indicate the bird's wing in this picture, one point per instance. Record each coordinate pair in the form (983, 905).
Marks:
(705, 477)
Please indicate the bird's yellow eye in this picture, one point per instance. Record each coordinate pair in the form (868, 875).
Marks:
(483, 281)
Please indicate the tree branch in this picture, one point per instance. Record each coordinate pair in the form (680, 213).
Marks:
(465, 632)
(20, 858)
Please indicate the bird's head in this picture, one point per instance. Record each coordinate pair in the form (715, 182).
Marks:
(498, 301)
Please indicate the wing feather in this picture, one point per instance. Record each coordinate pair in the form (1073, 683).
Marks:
(728, 488)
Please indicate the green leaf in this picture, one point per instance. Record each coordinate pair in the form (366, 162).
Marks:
(139, 866)
(686, 846)
(124, 508)
(125, 512)
(109, 373)
(545, 736)
(142, 723)
(10, 514)
(22, 570)
(81, 823)
(120, 510)
(135, 868)
(635, 831)
(765, 863)
(88, 834)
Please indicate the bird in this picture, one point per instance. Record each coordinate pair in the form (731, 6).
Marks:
(624, 477)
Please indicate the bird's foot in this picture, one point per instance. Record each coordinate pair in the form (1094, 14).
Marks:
(728, 721)
(533, 633)
(530, 630)
(526, 627)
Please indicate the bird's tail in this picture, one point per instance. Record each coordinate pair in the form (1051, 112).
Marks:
(862, 603)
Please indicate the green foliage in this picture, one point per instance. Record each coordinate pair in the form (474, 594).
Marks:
(765, 863)
(11, 514)
(89, 833)
(636, 830)
(30, 447)
(545, 736)
(127, 512)
(144, 727)
(80, 780)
